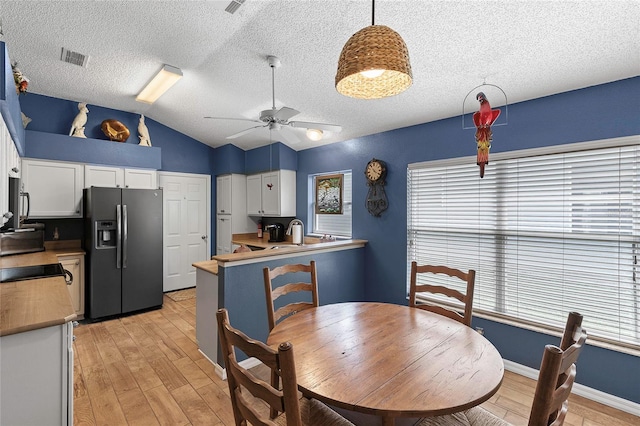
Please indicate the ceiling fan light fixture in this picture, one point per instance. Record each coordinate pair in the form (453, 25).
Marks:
(315, 134)
(166, 77)
(374, 64)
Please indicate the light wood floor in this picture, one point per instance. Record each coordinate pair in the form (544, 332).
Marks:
(145, 369)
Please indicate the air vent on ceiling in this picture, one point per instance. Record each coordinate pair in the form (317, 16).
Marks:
(74, 58)
(234, 5)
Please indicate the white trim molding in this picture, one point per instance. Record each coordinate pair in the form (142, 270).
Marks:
(581, 390)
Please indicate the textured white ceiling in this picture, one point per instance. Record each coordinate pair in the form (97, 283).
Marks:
(528, 48)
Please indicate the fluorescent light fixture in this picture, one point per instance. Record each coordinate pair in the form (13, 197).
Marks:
(314, 134)
(166, 78)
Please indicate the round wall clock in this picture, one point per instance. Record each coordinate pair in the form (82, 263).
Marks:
(376, 201)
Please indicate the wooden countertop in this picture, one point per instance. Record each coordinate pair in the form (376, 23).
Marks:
(33, 304)
(284, 248)
(210, 266)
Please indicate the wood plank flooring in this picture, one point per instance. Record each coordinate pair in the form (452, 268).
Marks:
(145, 369)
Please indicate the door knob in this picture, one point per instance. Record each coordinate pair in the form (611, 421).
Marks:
(204, 237)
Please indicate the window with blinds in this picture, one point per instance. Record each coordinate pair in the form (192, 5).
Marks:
(335, 224)
(547, 233)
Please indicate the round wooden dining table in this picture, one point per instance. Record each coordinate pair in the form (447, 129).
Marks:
(389, 360)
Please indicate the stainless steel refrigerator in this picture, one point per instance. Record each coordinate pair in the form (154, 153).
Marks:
(123, 242)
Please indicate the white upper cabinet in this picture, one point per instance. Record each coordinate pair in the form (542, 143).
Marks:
(272, 194)
(109, 177)
(54, 187)
(140, 179)
(115, 177)
(223, 194)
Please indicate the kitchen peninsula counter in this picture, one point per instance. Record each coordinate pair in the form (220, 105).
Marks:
(281, 249)
(37, 303)
(235, 281)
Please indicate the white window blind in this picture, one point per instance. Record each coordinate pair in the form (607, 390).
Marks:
(335, 224)
(546, 234)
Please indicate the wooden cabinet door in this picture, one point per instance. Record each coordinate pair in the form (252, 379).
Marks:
(223, 194)
(140, 179)
(254, 195)
(105, 177)
(75, 265)
(55, 188)
(271, 194)
(223, 234)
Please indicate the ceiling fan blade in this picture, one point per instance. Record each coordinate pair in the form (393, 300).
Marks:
(289, 136)
(244, 132)
(320, 126)
(236, 119)
(285, 113)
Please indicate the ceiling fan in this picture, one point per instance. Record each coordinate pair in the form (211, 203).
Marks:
(278, 119)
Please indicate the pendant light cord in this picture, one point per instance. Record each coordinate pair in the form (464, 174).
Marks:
(273, 87)
(373, 12)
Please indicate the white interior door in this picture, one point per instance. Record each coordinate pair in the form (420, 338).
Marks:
(186, 228)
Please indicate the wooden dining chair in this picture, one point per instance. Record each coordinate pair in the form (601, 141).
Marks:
(555, 380)
(466, 298)
(294, 411)
(274, 315)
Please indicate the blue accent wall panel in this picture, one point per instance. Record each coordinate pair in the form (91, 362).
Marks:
(599, 112)
(9, 101)
(339, 280)
(179, 153)
(271, 157)
(91, 151)
(621, 377)
(228, 159)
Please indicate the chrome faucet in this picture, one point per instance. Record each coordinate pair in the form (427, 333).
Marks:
(294, 222)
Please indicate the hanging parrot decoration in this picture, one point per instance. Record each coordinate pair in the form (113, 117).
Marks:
(483, 119)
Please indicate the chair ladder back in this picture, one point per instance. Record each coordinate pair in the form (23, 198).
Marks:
(466, 298)
(274, 315)
(238, 377)
(572, 330)
(557, 375)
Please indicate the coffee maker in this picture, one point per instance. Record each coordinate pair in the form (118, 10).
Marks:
(276, 232)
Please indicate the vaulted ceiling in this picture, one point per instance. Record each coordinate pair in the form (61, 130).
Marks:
(529, 49)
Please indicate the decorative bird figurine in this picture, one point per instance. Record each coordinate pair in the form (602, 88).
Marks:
(483, 119)
(143, 133)
(77, 127)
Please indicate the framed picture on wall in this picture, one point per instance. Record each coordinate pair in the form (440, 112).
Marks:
(329, 194)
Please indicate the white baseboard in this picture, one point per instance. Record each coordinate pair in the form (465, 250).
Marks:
(581, 390)
(222, 373)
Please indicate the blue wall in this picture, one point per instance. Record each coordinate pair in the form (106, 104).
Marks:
(242, 287)
(600, 112)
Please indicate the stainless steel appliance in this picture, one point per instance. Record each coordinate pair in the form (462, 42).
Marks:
(29, 239)
(123, 241)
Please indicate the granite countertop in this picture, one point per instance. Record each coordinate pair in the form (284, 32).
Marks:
(33, 304)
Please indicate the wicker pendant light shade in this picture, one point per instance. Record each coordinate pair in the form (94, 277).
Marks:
(375, 47)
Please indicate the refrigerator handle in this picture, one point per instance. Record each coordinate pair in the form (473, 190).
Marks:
(125, 233)
(118, 236)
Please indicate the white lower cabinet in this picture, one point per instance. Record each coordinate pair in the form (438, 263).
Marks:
(75, 265)
(224, 233)
(37, 377)
(54, 188)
